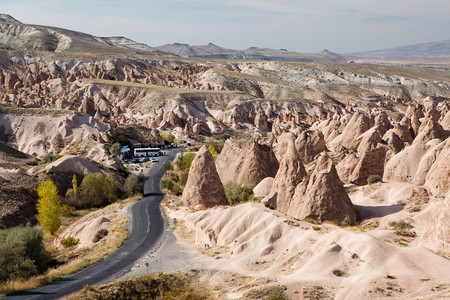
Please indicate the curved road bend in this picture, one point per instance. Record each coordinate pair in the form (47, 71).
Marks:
(146, 230)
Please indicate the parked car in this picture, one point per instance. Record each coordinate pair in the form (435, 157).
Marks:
(154, 159)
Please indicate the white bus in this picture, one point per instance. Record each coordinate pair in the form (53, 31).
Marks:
(147, 152)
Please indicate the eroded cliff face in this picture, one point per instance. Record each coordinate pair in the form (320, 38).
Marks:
(205, 97)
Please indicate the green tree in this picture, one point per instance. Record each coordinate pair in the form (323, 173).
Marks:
(48, 206)
(115, 149)
(91, 189)
(110, 188)
(22, 253)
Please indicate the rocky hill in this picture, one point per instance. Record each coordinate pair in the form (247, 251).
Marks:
(17, 36)
(253, 53)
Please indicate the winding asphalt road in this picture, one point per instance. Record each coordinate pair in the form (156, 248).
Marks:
(146, 230)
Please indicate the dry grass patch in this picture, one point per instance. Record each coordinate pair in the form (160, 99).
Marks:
(317, 292)
(181, 285)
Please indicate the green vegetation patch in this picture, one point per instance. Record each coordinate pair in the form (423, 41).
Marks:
(22, 253)
(237, 193)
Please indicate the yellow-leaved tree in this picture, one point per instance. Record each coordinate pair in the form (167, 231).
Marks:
(213, 151)
(48, 206)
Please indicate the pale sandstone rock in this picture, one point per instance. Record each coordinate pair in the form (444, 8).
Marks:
(403, 166)
(370, 163)
(430, 128)
(358, 124)
(346, 166)
(325, 197)
(203, 188)
(290, 174)
(438, 177)
(72, 163)
(263, 188)
(85, 230)
(246, 162)
(437, 232)
(393, 141)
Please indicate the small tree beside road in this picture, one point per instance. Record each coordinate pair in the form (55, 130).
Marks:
(48, 206)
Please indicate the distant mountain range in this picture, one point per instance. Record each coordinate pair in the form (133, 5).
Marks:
(15, 35)
(427, 51)
(214, 51)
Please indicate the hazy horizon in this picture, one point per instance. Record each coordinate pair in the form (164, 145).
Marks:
(341, 26)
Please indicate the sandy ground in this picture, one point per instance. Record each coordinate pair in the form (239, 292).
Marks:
(171, 254)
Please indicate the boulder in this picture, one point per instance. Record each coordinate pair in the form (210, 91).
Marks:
(325, 198)
(263, 188)
(203, 188)
(246, 162)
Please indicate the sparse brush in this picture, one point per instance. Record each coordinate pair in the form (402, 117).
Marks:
(99, 235)
(373, 179)
(400, 225)
(70, 242)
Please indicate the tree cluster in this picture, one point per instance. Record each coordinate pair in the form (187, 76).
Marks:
(22, 253)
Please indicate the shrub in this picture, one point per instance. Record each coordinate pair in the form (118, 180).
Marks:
(168, 167)
(123, 141)
(186, 160)
(99, 235)
(166, 184)
(115, 149)
(339, 273)
(184, 177)
(92, 189)
(48, 158)
(22, 253)
(268, 205)
(400, 225)
(373, 179)
(70, 242)
(237, 193)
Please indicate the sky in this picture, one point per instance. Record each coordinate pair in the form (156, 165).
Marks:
(308, 26)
